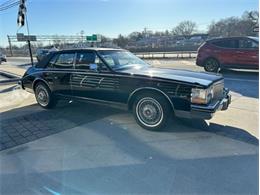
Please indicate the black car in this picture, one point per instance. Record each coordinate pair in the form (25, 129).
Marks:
(2, 58)
(118, 76)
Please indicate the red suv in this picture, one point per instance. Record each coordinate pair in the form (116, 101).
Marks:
(232, 52)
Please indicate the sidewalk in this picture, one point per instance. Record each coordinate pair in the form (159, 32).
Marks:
(13, 69)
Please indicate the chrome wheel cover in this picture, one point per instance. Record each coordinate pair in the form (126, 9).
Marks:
(149, 112)
(42, 96)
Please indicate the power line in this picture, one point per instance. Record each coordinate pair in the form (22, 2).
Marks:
(3, 8)
(7, 2)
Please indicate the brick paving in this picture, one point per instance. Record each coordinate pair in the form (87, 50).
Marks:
(30, 127)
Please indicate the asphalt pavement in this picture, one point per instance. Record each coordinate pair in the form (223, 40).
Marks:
(84, 148)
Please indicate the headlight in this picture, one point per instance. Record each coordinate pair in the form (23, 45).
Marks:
(201, 96)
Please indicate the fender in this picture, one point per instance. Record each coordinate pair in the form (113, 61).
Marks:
(152, 89)
(37, 80)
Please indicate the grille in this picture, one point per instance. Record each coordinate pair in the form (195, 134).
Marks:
(218, 90)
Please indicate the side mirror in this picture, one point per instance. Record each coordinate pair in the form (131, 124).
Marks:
(93, 67)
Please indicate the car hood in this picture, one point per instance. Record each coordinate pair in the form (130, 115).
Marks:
(197, 78)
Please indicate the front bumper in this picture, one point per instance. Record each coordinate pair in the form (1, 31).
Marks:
(207, 111)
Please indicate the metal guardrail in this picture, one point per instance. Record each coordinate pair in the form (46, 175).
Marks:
(165, 55)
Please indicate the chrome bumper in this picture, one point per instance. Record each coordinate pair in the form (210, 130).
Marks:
(20, 83)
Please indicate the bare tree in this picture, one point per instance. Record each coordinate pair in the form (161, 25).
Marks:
(235, 26)
(185, 28)
(121, 41)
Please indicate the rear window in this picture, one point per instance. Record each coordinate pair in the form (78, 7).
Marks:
(64, 61)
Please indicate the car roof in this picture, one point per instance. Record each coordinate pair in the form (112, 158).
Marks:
(229, 38)
(91, 49)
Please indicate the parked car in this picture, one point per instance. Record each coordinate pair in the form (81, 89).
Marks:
(234, 52)
(117, 76)
(41, 53)
(2, 58)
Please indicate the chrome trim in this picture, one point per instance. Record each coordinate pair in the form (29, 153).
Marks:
(206, 108)
(92, 99)
(74, 71)
(150, 88)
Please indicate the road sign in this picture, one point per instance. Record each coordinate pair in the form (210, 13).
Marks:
(31, 38)
(22, 38)
(94, 38)
(89, 38)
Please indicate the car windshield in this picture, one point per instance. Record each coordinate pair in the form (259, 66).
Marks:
(118, 59)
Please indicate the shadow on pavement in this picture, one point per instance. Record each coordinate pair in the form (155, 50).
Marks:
(245, 83)
(28, 127)
(162, 174)
(32, 126)
(193, 125)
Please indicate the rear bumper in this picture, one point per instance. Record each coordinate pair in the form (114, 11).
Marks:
(207, 111)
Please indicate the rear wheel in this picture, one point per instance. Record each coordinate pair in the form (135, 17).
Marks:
(211, 65)
(151, 111)
(44, 96)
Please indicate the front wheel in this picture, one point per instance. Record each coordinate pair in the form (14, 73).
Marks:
(151, 112)
(44, 96)
(211, 65)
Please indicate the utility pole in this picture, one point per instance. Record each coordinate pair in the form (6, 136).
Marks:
(21, 20)
(10, 45)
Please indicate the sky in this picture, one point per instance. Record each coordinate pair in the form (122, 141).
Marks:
(113, 17)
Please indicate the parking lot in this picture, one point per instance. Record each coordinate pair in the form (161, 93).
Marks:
(81, 148)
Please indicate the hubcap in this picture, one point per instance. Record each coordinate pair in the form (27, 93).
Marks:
(149, 112)
(211, 65)
(42, 96)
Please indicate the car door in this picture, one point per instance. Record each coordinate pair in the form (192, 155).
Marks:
(92, 79)
(248, 50)
(61, 72)
(227, 51)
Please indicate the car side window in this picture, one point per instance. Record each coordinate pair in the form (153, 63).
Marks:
(247, 44)
(85, 59)
(64, 61)
(233, 43)
(52, 61)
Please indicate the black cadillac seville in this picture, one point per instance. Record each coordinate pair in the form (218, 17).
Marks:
(117, 76)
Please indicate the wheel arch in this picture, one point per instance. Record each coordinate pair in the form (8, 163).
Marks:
(142, 90)
(39, 80)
